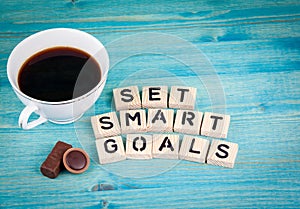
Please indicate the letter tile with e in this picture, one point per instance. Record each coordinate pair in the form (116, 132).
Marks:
(127, 98)
(222, 153)
(155, 97)
(194, 149)
(110, 150)
(215, 125)
(139, 146)
(165, 146)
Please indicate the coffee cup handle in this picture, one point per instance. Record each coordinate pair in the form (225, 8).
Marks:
(24, 117)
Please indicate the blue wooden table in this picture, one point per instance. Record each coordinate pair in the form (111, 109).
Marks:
(252, 50)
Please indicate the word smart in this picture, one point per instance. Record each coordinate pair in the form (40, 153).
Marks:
(166, 146)
(161, 120)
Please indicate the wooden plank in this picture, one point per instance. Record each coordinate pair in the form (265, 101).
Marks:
(253, 46)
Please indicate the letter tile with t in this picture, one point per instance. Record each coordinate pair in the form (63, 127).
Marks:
(222, 153)
(182, 97)
(105, 125)
(194, 149)
(188, 122)
(110, 149)
(165, 146)
(127, 98)
(215, 125)
(133, 121)
(139, 146)
(155, 97)
(160, 120)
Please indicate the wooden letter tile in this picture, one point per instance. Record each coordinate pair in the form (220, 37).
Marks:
(105, 125)
(160, 120)
(194, 149)
(139, 146)
(155, 97)
(182, 97)
(133, 121)
(127, 98)
(110, 149)
(215, 125)
(165, 146)
(222, 153)
(188, 122)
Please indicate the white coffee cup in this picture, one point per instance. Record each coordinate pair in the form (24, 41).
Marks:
(57, 112)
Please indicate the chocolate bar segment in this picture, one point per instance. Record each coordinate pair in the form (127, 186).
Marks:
(52, 166)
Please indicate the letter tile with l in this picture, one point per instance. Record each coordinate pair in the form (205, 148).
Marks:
(194, 149)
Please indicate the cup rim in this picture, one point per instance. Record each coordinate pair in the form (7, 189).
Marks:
(18, 91)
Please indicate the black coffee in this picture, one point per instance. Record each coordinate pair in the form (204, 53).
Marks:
(59, 74)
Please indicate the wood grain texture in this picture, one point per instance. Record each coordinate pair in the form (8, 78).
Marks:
(254, 48)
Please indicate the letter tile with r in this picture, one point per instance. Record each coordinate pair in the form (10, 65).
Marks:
(188, 122)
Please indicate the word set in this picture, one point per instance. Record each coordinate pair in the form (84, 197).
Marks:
(155, 117)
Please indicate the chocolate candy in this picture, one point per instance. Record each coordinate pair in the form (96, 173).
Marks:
(76, 160)
(52, 166)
